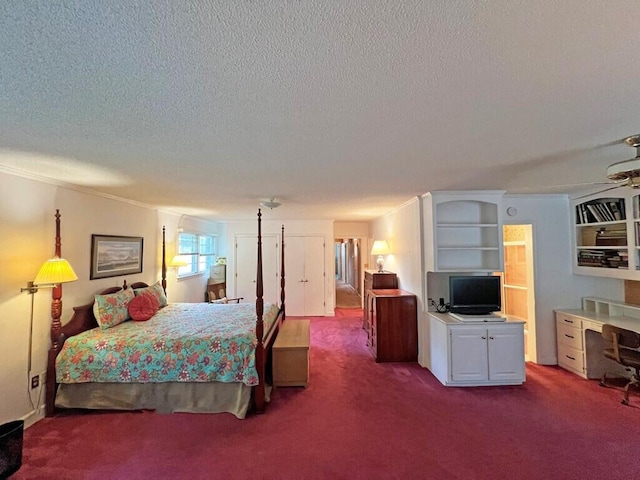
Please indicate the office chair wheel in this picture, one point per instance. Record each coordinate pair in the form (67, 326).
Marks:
(625, 402)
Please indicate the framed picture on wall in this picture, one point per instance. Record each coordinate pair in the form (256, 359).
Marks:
(113, 255)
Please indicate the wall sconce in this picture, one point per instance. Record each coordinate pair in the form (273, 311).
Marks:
(53, 272)
(380, 248)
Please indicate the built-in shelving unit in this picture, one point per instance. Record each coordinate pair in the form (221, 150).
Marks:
(463, 231)
(607, 235)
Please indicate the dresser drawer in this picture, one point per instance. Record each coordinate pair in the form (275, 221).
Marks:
(570, 357)
(569, 335)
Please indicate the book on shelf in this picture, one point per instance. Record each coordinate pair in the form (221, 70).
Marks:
(601, 211)
(595, 213)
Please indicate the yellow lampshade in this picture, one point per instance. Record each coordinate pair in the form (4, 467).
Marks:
(55, 271)
(380, 247)
(178, 261)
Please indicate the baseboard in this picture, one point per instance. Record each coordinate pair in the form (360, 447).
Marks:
(33, 416)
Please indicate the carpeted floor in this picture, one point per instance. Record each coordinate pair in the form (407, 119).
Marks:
(359, 420)
(346, 296)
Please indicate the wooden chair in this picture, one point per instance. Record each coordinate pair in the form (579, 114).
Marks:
(624, 351)
(216, 293)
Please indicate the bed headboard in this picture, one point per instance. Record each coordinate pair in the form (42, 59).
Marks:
(83, 318)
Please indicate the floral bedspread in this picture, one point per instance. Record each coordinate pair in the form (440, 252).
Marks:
(182, 342)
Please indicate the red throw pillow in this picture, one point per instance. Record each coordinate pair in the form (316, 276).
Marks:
(143, 307)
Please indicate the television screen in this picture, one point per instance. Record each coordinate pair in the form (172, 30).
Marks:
(479, 295)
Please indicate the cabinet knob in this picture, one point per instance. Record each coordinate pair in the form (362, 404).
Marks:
(490, 338)
(567, 320)
(484, 338)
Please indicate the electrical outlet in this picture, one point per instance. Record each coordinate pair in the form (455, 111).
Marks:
(35, 381)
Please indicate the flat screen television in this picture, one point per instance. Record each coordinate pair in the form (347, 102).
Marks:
(474, 295)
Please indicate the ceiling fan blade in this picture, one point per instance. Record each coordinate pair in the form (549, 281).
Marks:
(617, 185)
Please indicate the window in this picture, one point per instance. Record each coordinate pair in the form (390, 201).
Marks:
(198, 251)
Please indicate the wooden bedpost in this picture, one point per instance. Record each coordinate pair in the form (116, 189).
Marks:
(259, 394)
(282, 275)
(164, 262)
(56, 325)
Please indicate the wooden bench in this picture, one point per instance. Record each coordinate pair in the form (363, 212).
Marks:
(291, 354)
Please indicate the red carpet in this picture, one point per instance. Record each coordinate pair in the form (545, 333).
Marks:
(359, 419)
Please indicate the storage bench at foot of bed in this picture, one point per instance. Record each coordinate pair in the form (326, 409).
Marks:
(291, 354)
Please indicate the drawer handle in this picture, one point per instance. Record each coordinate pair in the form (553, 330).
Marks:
(569, 336)
(570, 358)
(567, 320)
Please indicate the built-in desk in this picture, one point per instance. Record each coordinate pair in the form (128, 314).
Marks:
(579, 339)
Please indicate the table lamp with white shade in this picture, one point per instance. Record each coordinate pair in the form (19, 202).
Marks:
(380, 248)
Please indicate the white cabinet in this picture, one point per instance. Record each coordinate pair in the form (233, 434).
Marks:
(607, 235)
(476, 354)
(246, 265)
(304, 273)
(463, 231)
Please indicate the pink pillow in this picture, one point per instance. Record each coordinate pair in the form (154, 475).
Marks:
(143, 307)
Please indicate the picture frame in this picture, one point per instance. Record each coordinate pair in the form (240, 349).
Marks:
(115, 255)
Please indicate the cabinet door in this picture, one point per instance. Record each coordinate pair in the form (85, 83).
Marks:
(246, 265)
(304, 271)
(506, 352)
(469, 354)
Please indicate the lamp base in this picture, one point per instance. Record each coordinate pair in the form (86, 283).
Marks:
(380, 263)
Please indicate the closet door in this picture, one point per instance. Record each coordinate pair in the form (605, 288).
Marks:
(246, 263)
(304, 270)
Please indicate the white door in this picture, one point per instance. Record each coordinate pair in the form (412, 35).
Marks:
(246, 264)
(506, 352)
(469, 354)
(304, 275)
(314, 276)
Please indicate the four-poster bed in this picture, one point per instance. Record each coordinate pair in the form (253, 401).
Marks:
(203, 358)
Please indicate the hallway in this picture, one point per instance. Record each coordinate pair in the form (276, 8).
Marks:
(346, 296)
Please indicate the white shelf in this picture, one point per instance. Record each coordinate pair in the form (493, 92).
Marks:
(611, 308)
(605, 235)
(463, 231)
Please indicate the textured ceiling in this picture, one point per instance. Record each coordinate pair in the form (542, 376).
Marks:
(339, 109)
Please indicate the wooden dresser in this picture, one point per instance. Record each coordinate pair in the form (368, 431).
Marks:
(374, 279)
(393, 329)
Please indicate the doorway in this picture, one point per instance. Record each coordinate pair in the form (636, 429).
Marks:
(348, 281)
(518, 282)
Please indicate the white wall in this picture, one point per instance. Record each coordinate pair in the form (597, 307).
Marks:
(27, 209)
(351, 230)
(555, 284)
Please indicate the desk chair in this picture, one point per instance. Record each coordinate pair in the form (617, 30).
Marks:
(625, 342)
